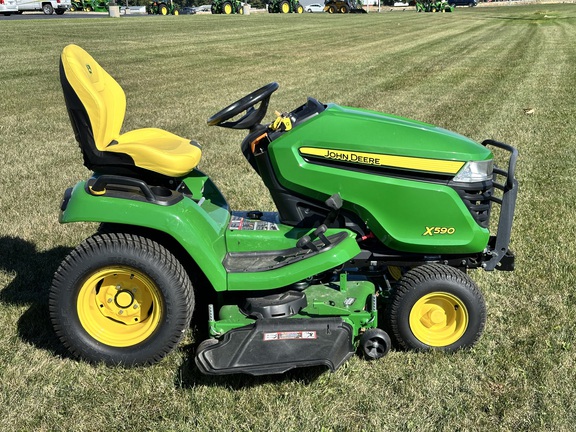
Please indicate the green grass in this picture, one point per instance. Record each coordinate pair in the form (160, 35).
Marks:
(473, 71)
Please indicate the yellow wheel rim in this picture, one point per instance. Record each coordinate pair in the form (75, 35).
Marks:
(119, 306)
(164, 10)
(176, 12)
(300, 9)
(227, 9)
(439, 319)
(285, 8)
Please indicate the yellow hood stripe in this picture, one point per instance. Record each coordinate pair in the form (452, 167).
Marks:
(391, 161)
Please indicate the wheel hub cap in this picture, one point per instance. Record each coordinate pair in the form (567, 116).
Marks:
(439, 319)
(119, 306)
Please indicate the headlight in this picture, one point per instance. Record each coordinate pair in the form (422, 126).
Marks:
(475, 171)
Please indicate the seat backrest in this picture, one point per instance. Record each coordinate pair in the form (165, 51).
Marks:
(96, 103)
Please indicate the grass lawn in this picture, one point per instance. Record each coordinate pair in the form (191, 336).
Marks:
(474, 71)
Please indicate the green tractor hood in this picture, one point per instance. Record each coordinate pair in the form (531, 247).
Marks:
(397, 174)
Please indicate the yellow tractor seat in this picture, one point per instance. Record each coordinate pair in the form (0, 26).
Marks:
(97, 105)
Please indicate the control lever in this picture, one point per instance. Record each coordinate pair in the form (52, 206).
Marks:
(307, 242)
(334, 203)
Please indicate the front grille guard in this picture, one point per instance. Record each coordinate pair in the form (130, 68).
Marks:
(498, 256)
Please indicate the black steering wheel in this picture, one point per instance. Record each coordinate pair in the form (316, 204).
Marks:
(253, 115)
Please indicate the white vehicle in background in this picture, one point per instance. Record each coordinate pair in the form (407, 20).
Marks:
(314, 8)
(46, 6)
(8, 7)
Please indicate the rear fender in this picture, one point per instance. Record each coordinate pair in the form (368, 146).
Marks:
(198, 226)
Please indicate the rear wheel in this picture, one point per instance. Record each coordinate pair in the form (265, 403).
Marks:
(120, 299)
(227, 8)
(284, 7)
(299, 8)
(436, 307)
(60, 11)
(47, 9)
(344, 9)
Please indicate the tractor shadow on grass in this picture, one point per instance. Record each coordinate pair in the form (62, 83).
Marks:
(33, 272)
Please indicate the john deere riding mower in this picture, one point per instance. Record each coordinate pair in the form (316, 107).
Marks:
(159, 7)
(285, 6)
(227, 7)
(379, 220)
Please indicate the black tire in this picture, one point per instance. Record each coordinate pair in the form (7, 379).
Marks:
(284, 7)
(47, 9)
(375, 343)
(120, 299)
(344, 9)
(163, 9)
(436, 307)
(227, 8)
(332, 9)
(60, 11)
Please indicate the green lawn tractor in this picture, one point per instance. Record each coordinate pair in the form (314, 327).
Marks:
(96, 6)
(285, 6)
(160, 7)
(434, 6)
(379, 219)
(343, 6)
(227, 7)
(76, 6)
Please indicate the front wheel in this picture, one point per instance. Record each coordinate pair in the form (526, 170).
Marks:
(120, 299)
(436, 307)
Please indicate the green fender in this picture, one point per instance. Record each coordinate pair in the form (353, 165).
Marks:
(198, 228)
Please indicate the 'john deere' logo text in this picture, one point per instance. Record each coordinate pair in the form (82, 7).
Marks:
(351, 157)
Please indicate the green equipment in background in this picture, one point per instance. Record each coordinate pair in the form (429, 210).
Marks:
(434, 6)
(285, 6)
(161, 7)
(227, 7)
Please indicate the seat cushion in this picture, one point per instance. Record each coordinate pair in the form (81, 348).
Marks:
(158, 150)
